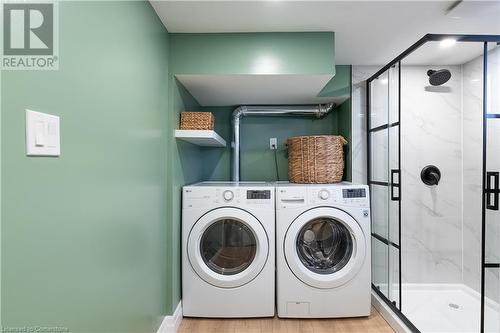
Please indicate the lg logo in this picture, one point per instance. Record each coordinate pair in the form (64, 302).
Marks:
(28, 29)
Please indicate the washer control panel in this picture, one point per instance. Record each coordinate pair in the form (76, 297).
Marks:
(259, 194)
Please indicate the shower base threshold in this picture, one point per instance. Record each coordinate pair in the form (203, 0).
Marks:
(450, 308)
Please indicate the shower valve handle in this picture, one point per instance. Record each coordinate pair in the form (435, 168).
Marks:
(430, 175)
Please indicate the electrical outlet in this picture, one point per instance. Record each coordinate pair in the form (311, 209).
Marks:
(273, 143)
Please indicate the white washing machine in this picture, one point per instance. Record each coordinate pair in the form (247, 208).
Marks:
(323, 250)
(228, 250)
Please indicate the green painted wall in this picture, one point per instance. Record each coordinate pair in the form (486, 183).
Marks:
(345, 129)
(342, 86)
(110, 251)
(184, 167)
(217, 160)
(1, 211)
(292, 53)
(245, 53)
(187, 164)
(84, 235)
(257, 160)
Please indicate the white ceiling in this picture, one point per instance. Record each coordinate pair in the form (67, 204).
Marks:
(367, 32)
(432, 53)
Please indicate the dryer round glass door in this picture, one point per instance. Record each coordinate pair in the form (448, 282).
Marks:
(325, 247)
(228, 247)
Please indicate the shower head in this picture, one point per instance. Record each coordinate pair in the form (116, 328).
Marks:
(439, 77)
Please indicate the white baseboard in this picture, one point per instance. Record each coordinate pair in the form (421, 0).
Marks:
(390, 317)
(170, 324)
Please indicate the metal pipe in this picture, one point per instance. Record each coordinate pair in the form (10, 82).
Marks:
(318, 111)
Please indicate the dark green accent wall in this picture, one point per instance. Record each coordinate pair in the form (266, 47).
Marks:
(257, 160)
(340, 85)
(84, 237)
(344, 112)
(344, 126)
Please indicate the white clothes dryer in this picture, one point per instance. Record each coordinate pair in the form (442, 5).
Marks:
(323, 250)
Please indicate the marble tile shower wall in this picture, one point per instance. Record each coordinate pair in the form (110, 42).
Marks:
(492, 275)
(441, 126)
(359, 76)
(472, 169)
(431, 134)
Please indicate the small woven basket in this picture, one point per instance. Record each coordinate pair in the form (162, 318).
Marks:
(316, 159)
(197, 121)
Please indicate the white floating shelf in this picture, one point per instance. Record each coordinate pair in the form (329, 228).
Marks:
(205, 138)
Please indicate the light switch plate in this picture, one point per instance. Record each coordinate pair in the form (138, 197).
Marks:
(42, 134)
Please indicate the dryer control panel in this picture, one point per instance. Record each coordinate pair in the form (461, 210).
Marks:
(329, 195)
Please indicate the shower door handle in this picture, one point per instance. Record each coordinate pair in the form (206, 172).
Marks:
(492, 190)
(394, 185)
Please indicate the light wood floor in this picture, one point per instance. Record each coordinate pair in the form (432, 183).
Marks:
(373, 324)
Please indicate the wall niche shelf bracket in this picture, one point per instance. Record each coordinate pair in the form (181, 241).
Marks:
(205, 138)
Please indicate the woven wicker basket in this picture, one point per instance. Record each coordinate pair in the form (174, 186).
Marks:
(197, 121)
(316, 159)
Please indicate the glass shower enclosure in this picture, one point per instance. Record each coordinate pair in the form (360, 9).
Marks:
(433, 168)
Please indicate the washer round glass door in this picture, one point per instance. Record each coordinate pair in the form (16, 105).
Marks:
(324, 247)
(228, 247)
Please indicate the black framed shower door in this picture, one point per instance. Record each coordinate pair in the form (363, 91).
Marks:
(384, 142)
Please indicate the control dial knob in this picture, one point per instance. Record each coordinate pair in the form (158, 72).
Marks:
(228, 195)
(324, 194)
